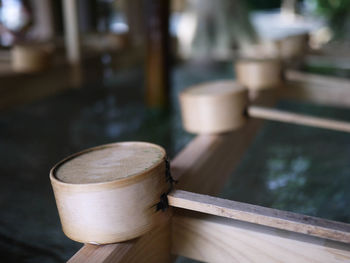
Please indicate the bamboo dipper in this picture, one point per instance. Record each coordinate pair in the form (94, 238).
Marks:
(111, 193)
(259, 74)
(222, 106)
(30, 58)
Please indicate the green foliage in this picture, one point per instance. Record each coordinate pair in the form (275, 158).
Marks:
(337, 12)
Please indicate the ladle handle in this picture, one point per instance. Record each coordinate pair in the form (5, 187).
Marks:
(289, 117)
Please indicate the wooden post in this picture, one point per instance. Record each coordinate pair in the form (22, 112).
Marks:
(288, 8)
(284, 220)
(72, 40)
(317, 89)
(211, 239)
(44, 24)
(157, 57)
(290, 117)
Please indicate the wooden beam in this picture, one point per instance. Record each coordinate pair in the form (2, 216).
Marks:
(72, 40)
(324, 90)
(261, 215)
(296, 118)
(153, 247)
(211, 155)
(316, 79)
(157, 56)
(71, 31)
(219, 240)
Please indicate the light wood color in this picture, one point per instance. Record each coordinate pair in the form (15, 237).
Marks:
(208, 155)
(293, 46)
(289, 9)
(317, 89)
(30, 58)
(286, 48)
(71, 31)
(220, 240)
(314, 88)
(207, 109)
(289, 117)
(109, 194)
(323, 95)
(72, 40)
(152, 247)
(257, 74)
(315, 79)
(214, 107)
(116, 162)
(195, 165)
(261, 215)
(197, 162)
(190, 166)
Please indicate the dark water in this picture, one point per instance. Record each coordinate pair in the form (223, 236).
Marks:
(288, 167)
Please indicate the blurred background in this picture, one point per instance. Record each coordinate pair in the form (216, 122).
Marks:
(80, 73)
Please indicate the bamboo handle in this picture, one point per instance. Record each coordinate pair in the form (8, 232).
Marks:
(284, 116)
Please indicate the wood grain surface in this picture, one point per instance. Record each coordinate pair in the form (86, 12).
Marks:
(261, 215)
(295, 118)
(214, 239)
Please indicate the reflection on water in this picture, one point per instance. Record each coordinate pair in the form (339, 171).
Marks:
(285, 174)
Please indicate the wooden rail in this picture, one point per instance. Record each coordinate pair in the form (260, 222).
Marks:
(316, 79)
(295, 118)
(215, 239)
(261, 215)
(325, 90)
